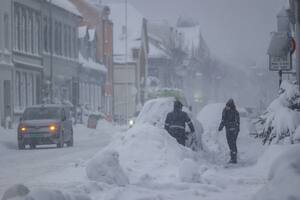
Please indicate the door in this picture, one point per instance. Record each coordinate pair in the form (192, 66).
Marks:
(7, 101)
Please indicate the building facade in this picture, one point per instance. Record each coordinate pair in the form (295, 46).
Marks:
(6, 65)
(96, 16)
(92, 74)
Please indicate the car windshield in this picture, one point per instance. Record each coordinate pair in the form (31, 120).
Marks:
(41, 113)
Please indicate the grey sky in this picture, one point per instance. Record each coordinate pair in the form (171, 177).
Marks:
(235, 30)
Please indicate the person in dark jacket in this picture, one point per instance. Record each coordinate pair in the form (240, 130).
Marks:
(231, 121)
(176, 121)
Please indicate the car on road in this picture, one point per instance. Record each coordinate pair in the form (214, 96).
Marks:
(45, 124)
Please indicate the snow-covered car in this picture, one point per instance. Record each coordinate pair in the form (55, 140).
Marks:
(155, 111)
(45, 124)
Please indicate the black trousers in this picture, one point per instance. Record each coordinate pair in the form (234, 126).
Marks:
(179, 135)
(231, 136)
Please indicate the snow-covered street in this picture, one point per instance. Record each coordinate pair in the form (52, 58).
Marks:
(156, 167)
(46, 163)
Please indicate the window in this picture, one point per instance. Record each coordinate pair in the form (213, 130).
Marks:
(37, 22)
(75, 42)
(65, 41)
(17, 28)
(6, 31)
(17, 90)
(30, 33)
(45, 32)
(69, 42)
(24, 30)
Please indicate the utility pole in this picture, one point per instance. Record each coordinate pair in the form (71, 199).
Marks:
(297, 34)
(51, 51)
(126, 63)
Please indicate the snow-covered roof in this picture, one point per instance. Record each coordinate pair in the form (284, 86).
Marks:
(66, 5)
(89, 63)
(134, 30)
(191, 36)
(82, 31)
(155, 52)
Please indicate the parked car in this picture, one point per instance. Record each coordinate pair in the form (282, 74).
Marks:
(45, 124)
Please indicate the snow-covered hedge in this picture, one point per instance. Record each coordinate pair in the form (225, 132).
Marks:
(281, 119)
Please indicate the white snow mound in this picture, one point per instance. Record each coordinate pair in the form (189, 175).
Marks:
(105, 167)
(284, 177)
(148, 152)
(21, 192)
(189, 171)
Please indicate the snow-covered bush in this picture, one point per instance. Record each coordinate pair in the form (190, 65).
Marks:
(106, 168)
(284, 177)
(281, 118)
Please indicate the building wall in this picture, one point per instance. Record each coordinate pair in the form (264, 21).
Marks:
(27, 59)
(60, 56)
(6, 66)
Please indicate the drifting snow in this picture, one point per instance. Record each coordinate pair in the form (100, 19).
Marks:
(284, 178)
(105, 168)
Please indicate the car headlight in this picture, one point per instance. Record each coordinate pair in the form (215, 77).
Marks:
(53, 128)
(23, 129)
(131, 122)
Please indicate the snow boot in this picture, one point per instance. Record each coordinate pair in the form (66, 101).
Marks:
(233, 158)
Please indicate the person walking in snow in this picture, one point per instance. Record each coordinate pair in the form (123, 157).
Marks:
(176, 121)
(231, 121)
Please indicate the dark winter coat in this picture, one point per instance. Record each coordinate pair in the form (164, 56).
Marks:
(175, 124)
(231, 120)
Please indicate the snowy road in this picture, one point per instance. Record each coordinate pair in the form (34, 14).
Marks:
(65, 169)
(30, 167)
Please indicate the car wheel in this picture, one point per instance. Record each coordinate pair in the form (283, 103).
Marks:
(32, 146)
(60, 143)
(71, 142)
(21, 145)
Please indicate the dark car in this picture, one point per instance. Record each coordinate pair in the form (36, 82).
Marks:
(45, 124)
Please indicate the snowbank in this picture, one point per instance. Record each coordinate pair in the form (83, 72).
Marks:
(105, 168)
(155, 111)
(284, 177)
(21, 192)
(213, 141)
(189, 171)
(143, 150)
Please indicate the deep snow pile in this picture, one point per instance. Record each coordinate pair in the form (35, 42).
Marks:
(155, 111)
(142, 151)
(213, 141)
(105, 168)
(21, 192)
(280, 122)
(284, 177)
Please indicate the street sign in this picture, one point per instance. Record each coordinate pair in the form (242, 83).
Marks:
(277, 63)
